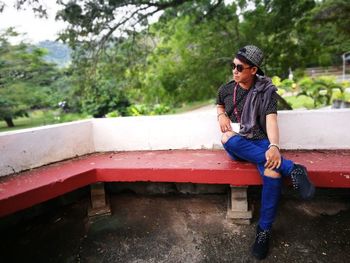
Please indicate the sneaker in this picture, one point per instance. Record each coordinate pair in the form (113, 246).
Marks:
(301, 182)
(261, 244)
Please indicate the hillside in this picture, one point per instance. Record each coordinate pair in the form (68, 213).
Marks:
(59, 53)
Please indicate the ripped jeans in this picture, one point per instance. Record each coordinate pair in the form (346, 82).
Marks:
(242, 149)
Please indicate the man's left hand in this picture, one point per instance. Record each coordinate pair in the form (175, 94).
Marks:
(273, 158)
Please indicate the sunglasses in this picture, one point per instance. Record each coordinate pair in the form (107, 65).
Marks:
(239, 67)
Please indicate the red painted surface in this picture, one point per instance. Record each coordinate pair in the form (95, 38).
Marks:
(326, 169)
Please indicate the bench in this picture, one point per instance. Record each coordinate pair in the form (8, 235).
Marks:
(25, 189)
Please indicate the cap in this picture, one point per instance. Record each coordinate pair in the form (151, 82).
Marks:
(254, 55)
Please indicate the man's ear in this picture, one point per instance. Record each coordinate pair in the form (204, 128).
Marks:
(254, 70)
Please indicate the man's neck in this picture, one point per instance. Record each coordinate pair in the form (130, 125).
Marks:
(247, 84)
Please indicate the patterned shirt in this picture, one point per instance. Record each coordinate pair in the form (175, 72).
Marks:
(226, 97)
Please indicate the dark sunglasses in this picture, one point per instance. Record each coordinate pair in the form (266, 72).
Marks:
(239, 67)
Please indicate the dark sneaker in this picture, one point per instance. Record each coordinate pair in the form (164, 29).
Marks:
(261, 244)
(301, 182)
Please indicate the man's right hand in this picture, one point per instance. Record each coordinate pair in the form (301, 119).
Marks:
(225, 123)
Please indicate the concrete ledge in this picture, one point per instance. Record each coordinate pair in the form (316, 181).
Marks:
(30, 148)
(315, 129)
(34, 147)
(326, 169)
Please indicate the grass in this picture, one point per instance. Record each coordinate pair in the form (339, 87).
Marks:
(40, 118)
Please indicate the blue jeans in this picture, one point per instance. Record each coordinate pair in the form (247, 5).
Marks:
(242, 149)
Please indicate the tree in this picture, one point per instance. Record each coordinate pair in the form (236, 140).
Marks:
(298, 34)
(102, 86)
(24, 78)
(95, 22)
(331, 19)
(193, 40)
(286, 30)
(191, 59)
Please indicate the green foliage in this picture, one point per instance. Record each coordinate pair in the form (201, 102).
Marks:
(288, 85)
(42, 117)
(184, 57)
(301, 101)
(283, 86)
(110, 83)
(113, 114)
(181, 59)
(143, 109)
(102, 98)
(25, 78)
(319, 89)
(276, 81)
(191, 60)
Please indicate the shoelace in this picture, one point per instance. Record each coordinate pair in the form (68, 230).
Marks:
(294, 182)
(294, 176)
(262, 236)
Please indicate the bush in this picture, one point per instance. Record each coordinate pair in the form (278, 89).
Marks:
(113, 114)
(320, 89)
(286, 84)
(143, 109)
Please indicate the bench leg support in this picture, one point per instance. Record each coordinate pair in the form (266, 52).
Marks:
(99, 203)
(238, 209)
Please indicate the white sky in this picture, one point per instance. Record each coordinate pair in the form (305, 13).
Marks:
(24, 21)
(38, 29)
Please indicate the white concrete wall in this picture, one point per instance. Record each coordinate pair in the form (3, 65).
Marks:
(315, 129)
(156, 133)
(310, 129)
(29, 148)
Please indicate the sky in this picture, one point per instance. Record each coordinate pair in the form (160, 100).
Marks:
(39, 29)
(36, 29)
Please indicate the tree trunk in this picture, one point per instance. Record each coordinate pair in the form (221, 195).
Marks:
(9, 122)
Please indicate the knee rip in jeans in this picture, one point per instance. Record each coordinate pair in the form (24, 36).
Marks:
(271, 173)
(227, 135)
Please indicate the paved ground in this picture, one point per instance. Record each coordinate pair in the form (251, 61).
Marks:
(180, 228)
(209, 109)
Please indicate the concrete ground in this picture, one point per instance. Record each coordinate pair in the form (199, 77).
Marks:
(179, 228)
(208, 109)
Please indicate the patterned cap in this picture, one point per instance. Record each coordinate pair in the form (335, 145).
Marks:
(254, 55)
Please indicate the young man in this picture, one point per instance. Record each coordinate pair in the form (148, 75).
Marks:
(247, 116)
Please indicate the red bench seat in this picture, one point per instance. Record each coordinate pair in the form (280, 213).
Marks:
(19, 191)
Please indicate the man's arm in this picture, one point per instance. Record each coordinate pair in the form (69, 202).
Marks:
(220, 109)
(223, 119)
(273, 156)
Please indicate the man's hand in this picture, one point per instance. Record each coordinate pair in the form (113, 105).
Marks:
(225, 123)
(273, 158)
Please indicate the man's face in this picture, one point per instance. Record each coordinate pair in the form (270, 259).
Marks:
(246, 75)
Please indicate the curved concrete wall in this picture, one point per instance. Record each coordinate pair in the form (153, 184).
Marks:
(156, 133)
(312, 129)
(315, 129)
(25, 149)
(29, 148)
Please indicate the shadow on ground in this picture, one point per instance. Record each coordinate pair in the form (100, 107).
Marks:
(180, 228)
